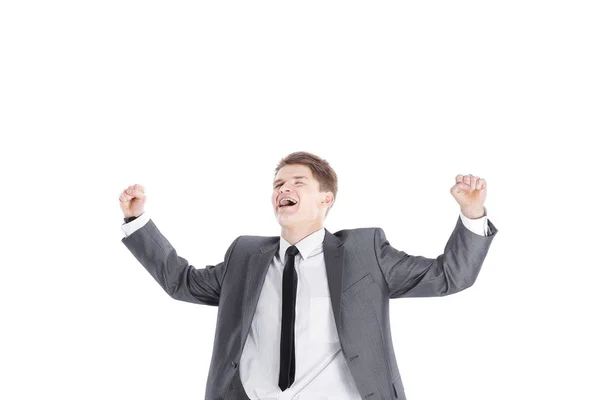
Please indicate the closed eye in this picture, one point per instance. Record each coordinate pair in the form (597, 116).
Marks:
(280, 184)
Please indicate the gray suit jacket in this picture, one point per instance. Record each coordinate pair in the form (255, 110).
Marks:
(363, 271)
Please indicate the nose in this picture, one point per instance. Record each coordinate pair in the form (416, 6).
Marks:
(283, 188)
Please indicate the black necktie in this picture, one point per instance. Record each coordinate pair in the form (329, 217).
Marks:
(287, 356)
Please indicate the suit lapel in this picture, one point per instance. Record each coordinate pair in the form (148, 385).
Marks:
(334, 263)
(255, 278)
(257, 272)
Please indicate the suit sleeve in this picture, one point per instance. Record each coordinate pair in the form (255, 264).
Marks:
(476, 225)
(417, 276)
(181, 280)
(129, 227)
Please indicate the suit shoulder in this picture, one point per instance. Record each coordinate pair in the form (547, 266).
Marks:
(356, 233)
(256, 241)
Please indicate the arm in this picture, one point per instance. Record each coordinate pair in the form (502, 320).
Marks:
(173, 273)
(476, 225)
(132, 224)
(454, 270)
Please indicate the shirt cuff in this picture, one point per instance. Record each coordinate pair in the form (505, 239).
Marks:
(477, 225)
(130, 227)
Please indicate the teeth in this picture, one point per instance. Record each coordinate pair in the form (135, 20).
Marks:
(287, 198)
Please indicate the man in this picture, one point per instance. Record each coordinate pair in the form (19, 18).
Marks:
(305, 315)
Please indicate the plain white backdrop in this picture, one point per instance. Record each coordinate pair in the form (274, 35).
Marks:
(198, 101)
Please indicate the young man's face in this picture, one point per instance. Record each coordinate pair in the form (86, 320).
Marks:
(296, 181)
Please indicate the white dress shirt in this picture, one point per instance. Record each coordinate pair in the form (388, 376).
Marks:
(321, 369)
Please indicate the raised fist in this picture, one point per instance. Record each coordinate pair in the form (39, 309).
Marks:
(132, 201)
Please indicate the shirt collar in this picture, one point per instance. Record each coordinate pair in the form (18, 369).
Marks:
(305, 247)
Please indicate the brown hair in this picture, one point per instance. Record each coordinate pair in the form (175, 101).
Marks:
(321, 170)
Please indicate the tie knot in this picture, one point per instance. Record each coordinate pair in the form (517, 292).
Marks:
(291, 251)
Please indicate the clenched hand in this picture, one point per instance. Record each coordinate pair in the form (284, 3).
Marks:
(132, 201)
(469, 192)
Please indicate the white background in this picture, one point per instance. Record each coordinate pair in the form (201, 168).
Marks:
(198, 101)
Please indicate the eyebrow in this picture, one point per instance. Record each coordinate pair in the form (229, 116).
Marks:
(293, 177)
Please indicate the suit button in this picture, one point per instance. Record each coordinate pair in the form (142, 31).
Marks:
(234, 364)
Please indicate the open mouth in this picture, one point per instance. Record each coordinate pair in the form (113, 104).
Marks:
(289, 207)
(287, 204)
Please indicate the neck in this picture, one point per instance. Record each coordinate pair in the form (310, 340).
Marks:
(294, 234)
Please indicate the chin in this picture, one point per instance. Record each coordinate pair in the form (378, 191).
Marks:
(286, 220)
